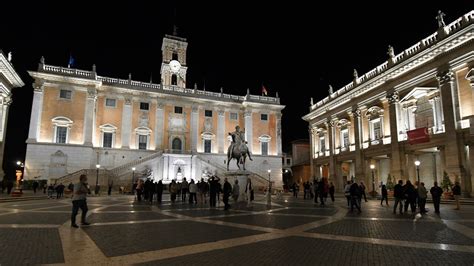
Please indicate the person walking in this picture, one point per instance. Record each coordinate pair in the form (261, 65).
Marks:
(457, 194)
(79, 201)
(227, 190)
(111, 183)
(236, 191)
(332, 189)
(436, 193)
(347, 193)
(362, 189)
(184, 190)
(35, 186)
(173, 190)
(139, 189)
(193, 189)
(398, 194)
(249, 192)
(355, 195)
(295, 190)
(410, 196)
(159, 191)
(384, 195)
(422, 195)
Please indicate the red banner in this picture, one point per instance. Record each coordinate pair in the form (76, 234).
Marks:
(419, 135)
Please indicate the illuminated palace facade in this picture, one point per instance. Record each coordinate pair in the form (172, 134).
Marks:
(416, 106)
(165, 131)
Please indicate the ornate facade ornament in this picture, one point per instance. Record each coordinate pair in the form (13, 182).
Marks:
(247, 113)
(220, 112)
(208, 124)
(38, 87)
(374, 111)
(445, 77)
(357, 113)
(355, 74)
(343, 122)
(393, 97)
(128, 100)
(195, 109)
(160, 105)
(91, 93)
(143, 121)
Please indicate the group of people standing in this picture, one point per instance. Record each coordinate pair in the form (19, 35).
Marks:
(318, 189)
(409, 195)
(199, 192)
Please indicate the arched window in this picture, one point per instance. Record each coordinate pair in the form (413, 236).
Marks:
(264, 144)
(176, 145)
(174, 56)
(62, 126)
(142, 137)
(174, 80)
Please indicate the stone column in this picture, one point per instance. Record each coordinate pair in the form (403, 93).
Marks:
(89, 117)
(249, 129)
(359, 156)
(396, 169)
(220, 131)
(470, 77)
(159, 126)
(332, 160)
(4, 108)
(36, 111)
(311, 151)
(126, 123)
(453, 148)
(278, 132)
(471, 165)
(194, 128)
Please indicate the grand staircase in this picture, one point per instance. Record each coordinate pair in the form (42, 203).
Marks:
(115, 174)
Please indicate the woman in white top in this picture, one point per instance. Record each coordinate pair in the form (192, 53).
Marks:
(249, 191)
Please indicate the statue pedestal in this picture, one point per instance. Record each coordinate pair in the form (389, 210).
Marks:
(242, 177)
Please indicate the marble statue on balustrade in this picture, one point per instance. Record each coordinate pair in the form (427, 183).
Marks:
(238, 148)
(440, 18)
(391, 52)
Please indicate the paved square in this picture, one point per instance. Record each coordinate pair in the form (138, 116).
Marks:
(398, 230)
(116, 240)
(269, 220)
(307, 251)
(30, 246)
(295, 232)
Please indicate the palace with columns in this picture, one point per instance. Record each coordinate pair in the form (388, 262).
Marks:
(425, 88)
(9, 79)
(165, 131)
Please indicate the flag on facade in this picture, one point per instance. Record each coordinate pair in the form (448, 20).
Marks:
(264, 90)
(71, 61)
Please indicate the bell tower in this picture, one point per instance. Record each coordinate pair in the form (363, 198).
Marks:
(173, 67)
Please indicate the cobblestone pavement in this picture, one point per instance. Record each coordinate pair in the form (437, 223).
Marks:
(290, 232)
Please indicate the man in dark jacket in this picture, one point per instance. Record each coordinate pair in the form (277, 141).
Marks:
(457, 194)
(227, 191)
(398, 194)
(355, 194)
(436, 193)
(410, 196)
(159, 191)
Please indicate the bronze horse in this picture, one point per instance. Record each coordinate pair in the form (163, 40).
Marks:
(239, 151)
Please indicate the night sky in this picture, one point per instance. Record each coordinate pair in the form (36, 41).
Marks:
(295, 49)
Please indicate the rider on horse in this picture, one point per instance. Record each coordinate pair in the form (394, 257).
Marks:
(239, 143)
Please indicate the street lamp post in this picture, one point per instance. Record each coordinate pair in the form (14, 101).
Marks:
(269, 192)
(372, 167)
(97, 166)
(417, 163)
(133, 179)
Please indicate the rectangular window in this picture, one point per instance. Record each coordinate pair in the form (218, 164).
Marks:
(142, 139)
(107, 141)
(233, 116)
(345, 138)
(61, 134)
(208, 113)
(144, 106)
(207, 146)
(110, 102)
(377, 130)
(322, 145)
(65, 94)
(264, 148)
(288, 161)
(178, 110)
(263, 117)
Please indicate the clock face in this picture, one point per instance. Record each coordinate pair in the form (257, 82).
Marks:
(175, 66)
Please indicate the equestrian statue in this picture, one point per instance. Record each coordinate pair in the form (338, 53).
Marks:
(238, 149)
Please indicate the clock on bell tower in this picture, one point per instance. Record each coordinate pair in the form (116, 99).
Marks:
(173, 67)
